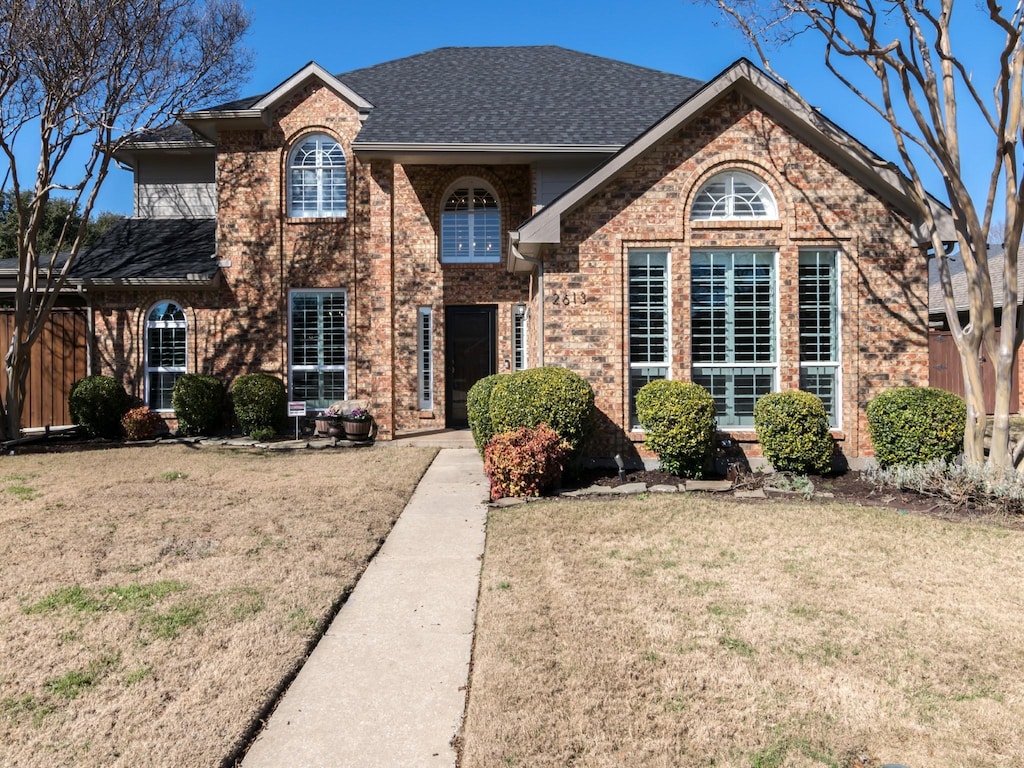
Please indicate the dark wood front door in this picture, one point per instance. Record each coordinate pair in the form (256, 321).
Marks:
(469, 356)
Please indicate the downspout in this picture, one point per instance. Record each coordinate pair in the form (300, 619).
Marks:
(513, 244)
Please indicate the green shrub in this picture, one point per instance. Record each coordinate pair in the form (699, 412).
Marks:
(262, 434)
(199, 403)
(554, 396)
(793, 430)
(260, 402)
(141, 423)
(97, 404)
(678, 418)
(478, 404)
(525, 462)
(915, 425)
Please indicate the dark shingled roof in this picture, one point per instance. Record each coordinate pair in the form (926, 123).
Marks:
(532, 95)
(151, 249)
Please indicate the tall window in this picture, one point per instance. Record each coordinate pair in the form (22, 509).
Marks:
(166, 354)
(733, 328)
(471, 226)
(317, 184)
(648, 321)
(317, 347)
(425, 356)
(733, 195)
(819, 328)
(519, 316)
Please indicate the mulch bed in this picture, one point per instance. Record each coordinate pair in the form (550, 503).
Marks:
(850, 487)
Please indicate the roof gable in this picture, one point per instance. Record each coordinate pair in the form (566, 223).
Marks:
(766, 93)
(256, 112)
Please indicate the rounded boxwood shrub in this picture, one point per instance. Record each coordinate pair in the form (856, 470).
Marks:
(915, 425)
(554, 396)
(478, 405)
(260, 402)
(199, 402)
(97, 404)
(678, 418)
(793, 430)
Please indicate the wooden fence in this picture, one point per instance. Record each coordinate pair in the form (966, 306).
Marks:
(945, 372)
(59, 359)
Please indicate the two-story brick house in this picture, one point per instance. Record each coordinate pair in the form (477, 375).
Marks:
(397, 232)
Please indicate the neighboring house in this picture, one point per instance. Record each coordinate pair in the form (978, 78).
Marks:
(397, 232)
(945, 369)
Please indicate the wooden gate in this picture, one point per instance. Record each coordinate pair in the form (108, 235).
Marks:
(945, 372)
(59, 358)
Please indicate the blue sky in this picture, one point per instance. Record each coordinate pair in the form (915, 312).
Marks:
(671, 35)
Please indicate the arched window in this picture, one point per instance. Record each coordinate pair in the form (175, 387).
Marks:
(471, 225)
(166, 358)
(733, 195)
(317, 183)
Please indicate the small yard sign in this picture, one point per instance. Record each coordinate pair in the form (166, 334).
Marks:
(297, 409)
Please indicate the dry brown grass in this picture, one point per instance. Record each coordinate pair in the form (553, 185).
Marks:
(152, 599)
(670, 631)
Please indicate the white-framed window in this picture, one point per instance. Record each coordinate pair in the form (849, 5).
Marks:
(317, 178)
(733, 196)
(166, 353)
(425, 357)
(317, 352)
(471, 225)
(649, 322)
(520, 314)
(733, 323)
(819, 328)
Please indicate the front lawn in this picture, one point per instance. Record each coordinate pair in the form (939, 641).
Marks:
(152, 600)
(692, 631)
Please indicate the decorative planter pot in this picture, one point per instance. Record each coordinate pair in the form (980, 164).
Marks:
(357, 430)
(328, 427)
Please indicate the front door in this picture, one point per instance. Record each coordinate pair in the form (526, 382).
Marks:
(469, 356)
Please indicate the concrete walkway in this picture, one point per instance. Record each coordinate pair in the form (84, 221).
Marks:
(386, 684)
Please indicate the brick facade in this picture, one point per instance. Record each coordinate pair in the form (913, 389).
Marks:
(385, 255)
(883, 275)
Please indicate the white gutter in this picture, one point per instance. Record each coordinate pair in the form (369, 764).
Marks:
(513, 242)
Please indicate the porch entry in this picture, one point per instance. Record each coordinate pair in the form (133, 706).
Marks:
(469, 353)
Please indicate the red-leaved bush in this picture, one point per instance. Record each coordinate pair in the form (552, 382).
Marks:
(525, 462)
(141, 423)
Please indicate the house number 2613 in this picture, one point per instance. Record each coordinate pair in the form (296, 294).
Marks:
(568, 298)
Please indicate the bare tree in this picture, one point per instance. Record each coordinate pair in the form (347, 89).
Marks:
(78, 78)
(900, 59)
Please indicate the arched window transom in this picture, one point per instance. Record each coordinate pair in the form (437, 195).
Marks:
(166, 353)
(733, 195)
(317, 181)
(470, 226)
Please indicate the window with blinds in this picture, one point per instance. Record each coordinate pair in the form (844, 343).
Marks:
(649, 322)
(733, 330)
(166, 353)
(317, 178)
(425, 357)
(471, 226)
(317, 347)
(819, 328)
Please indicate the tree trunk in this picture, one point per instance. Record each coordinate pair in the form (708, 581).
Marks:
(17, 375)
(974, 397)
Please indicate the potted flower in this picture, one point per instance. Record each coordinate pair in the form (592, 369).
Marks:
(329, 422)
(358, 425)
